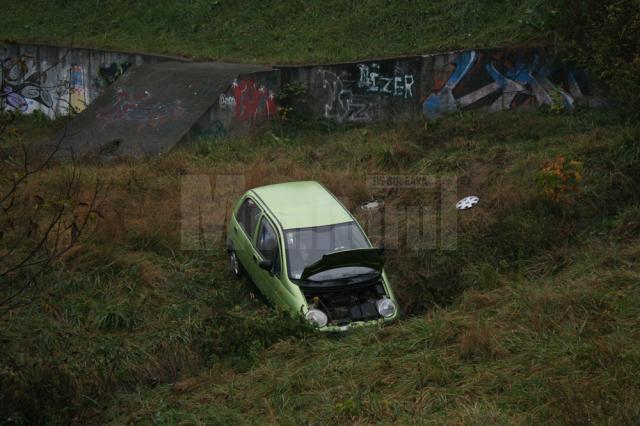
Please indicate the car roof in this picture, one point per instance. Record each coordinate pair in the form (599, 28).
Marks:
(302, 204)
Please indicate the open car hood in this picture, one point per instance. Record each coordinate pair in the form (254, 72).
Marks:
(369, 257)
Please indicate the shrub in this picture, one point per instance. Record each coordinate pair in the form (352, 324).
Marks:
(559, 180)
(602, 37)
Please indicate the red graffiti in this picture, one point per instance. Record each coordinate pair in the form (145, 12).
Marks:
(251, 101)
(437, 85)
(140, 107)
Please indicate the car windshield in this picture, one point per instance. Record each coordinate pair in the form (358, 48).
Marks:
(305, 246)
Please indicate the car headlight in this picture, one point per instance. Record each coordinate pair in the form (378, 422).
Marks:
(386, 307)
(316, 317)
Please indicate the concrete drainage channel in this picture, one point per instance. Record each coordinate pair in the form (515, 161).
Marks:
(138, 105)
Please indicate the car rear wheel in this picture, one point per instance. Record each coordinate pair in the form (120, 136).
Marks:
(236, 268)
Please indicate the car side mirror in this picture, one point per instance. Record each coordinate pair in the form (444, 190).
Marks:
(381, 250)
(266, 264)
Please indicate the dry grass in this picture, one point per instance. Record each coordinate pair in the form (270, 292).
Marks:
(497, 331)
(476, 342)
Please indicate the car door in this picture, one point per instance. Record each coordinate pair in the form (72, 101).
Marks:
(267, 247)
(244, 229)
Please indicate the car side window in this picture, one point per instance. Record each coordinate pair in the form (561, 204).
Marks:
(267, 244)
(248, 215)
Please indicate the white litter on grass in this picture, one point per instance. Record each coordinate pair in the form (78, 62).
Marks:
(467, 202)
(372, 205)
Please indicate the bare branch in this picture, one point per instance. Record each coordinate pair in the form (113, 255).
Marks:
(28, 172)
(38, 238)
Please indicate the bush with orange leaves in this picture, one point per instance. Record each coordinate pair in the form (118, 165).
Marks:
(560, 179)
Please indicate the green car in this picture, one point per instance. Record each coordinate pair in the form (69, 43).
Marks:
(307, 254)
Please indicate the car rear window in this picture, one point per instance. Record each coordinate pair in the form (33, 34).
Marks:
(248, 215)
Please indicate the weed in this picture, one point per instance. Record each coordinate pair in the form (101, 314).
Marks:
(559, 180)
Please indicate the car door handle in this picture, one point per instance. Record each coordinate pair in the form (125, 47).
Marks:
(235, 229)
(255, 258)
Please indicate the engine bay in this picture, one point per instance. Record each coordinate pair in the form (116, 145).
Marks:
(347, 303)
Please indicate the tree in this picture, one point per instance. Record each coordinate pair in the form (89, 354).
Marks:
(38, 223)
(602, 37)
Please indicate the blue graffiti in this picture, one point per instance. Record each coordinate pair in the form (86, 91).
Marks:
(521, 72)
(508, 88)
(500, 79)
(537, 78)
(439, 103)
(529, 78)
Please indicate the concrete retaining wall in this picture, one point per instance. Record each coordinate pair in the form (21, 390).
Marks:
(432, 85)
(56, 80)
(360, 91)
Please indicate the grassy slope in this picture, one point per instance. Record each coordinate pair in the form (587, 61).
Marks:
(548, 333)
(538, 316)
(269, 32)
(561, 347)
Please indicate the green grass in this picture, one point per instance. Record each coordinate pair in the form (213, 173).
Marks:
(273, 32)
(560, 349)
(533, 317)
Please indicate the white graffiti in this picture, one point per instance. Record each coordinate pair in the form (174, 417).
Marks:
(341, 104)
(510, 89)
(374, 81)
(228, 102)
(27, 85)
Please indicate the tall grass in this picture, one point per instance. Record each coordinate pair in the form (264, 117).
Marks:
(559, 348)
(533, 315)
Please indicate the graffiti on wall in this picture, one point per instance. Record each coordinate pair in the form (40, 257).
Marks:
(26, 86)
(356, 96)
(36, 82)
(227, 101)
(340, 103)
(478, 80)
(373, 80)
(249, 100)
(215, 130)
(109, 73)
(77, 94)
(141, 107)
(22, 87)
